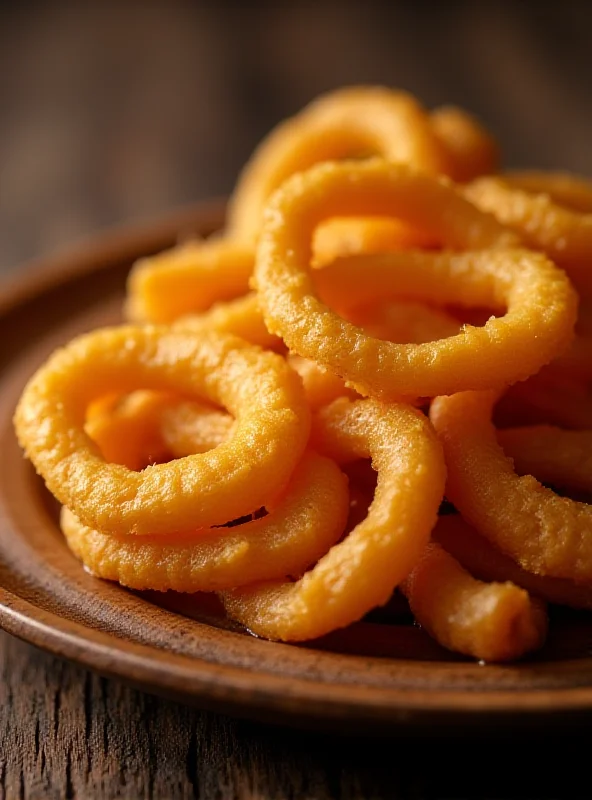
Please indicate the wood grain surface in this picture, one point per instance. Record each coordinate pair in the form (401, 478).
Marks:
(114, 111)
(66, 733)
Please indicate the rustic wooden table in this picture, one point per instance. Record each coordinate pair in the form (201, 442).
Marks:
(117, 111)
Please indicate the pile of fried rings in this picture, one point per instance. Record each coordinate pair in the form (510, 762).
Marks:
(386, 321)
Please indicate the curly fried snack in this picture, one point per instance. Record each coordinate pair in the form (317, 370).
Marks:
(348, 236)
(487, 563)
(539, 296)
(371, 120)
(538, 324)
(321, 385)
(472, 151)
(147, 427)
(240, 317)
(187, 279)
(404, 321)
(545, 533)
(359, 120)
(524, 281)
(563, 188)
(360, 572)
(302, 524)
(367, 266)
(258, 388)
(127, 430)
(561, 232)
(189, 428)
(489, 621)
(396, 321)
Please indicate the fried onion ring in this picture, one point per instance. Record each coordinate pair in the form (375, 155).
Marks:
(187, 279)
(362, 571)
(563, 188)
(487, 563)
(542, 303)
(321, 385)
(146, 427)
(127, 431)
(395, 321)
(339, 237)
(489, 621)
(404, 322)
(258, 388)
(302, 524)
(239, 317)
(545, 533)
(563, 234)
(359, 120)
(188, 428)
(538, 325)
(472, 151)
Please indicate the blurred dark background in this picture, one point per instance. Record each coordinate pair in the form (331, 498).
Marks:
(111, 111)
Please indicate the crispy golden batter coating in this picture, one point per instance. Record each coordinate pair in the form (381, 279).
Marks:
(362, 571)
(258, 388)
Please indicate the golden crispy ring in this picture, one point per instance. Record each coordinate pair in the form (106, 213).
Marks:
(404, 322)
(539, 296)
(300, 527)
(360, 572)
(489, 621)
(487, 563)
(545, 533)
(396, 321)
(359, 120)
(563, 234)
(553, 455)
(546, 398)
(242, 317)
(147, 427)
(102, 405)
(471, 149)
(258, 388)
(189, 428)
(186, 279)
(127, 431)
(563, 188)
(321, 385)
(538, 324)
(348, 236)
(239, 317)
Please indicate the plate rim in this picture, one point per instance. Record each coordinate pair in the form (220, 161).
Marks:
(282, 695)
(225, 687)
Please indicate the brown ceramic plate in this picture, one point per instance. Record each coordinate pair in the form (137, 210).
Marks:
(382, 672)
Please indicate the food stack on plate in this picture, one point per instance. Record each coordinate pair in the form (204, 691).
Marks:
(386, 322)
